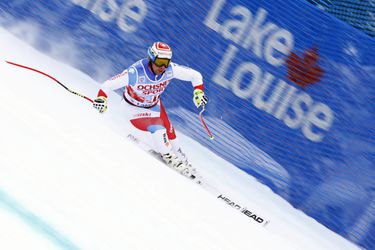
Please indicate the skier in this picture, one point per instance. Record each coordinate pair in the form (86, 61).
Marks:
(144, 83)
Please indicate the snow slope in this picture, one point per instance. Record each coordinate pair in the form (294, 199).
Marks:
(70, 179)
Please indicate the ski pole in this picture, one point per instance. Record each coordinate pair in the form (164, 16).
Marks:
(85, 97)
(45, 74)
(204, 123)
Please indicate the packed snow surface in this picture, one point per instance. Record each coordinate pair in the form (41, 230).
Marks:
(71, 179)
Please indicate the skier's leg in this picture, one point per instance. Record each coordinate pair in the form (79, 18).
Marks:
(168, 125)
(176, 146)
(148, 120)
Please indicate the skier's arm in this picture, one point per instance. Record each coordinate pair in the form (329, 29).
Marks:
(116, 82)
(188, 74)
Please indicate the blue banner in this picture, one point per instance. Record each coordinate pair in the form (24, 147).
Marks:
(290, 87)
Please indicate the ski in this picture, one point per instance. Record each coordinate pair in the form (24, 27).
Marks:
(250, 214)
(197, 178)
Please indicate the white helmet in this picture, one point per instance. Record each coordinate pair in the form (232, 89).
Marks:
(159, 50)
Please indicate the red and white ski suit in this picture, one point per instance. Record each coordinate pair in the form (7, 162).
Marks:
(142, 90)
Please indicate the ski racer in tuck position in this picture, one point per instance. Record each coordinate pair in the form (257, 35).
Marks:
(144, 82)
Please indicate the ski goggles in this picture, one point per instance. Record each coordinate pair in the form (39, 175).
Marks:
(162, 62)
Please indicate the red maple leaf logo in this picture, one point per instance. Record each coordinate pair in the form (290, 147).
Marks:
(304, 70)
